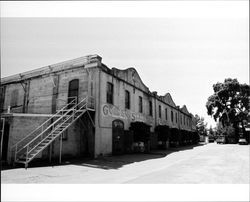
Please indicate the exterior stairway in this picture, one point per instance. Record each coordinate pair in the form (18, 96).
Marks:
(34, 143)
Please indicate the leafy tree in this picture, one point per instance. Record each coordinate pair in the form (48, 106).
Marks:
(230, 103)
(227, 131)
(201, 125)
(211, 131)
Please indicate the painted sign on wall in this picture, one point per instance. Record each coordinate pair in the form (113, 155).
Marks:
(116, 112)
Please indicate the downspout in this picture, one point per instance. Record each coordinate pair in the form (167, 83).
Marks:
(155, 111)
(99, 97)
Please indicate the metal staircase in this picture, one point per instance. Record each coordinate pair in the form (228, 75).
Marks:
(28, 148)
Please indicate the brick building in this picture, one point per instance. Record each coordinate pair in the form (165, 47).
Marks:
(105, 111)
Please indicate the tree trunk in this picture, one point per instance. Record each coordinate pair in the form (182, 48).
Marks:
(235, 125)
(243, 130)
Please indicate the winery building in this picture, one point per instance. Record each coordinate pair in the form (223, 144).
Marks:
(81, 107)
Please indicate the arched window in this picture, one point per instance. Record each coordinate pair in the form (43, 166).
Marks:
(150, 108)
(127, 99)
(73, 90)
(110, 92)
(140, 104)
(166, 114)
(159, 111)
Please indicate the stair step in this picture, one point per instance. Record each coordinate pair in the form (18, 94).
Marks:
(20, 161)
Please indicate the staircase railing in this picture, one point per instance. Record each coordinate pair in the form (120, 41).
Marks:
(64, 114)
(77, 108)
(17, 147)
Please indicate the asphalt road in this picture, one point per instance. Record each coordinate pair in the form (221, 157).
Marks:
(204, 164)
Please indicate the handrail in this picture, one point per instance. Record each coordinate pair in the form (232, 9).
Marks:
(52, 125)
(43, 132)
(62, 113)
(43, 124)
(54, 130)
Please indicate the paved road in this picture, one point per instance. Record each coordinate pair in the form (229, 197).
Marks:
(206, 164)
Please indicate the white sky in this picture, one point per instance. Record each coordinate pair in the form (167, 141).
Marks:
(178, 47)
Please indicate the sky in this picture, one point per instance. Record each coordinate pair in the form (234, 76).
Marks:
(181, 48)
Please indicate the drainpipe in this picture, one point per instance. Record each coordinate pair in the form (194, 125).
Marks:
(99, 97)
(155, 94)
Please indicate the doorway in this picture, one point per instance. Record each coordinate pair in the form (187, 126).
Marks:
(73, 91)
(117, 137)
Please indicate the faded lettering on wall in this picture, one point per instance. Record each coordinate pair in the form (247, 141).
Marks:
(116, 112)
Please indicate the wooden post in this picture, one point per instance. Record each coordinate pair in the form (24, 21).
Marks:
(60, 154)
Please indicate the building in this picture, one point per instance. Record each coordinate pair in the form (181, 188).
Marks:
(116, 113)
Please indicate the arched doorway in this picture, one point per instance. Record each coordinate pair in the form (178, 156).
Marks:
(117, 137)
(73, 90)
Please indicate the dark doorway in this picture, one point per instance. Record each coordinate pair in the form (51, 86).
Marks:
(73, 91)
(118, 137)
(141, 133)
(5, 141)
(87, 135)
(162, 136)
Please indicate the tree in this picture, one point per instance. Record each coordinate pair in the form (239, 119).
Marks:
(201, 125)
(211, 131)
(230, 103)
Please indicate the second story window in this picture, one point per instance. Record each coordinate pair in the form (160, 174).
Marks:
(159, 111)
(166, 114)
(127, 99)
(150, 108)
(110, 92)
(140, 104)
(176, 117)
(172, 116)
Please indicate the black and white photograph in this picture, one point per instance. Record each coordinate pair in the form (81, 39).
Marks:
(137, 97)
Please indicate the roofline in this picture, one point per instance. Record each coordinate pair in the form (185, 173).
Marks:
(68, 64)
(148, 93)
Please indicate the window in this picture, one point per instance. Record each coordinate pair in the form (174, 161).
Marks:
(176, 117)
(110, 92)
(140, 104)
(150, 108)
(127, 99)
(181, 118)
(172, 116)
(159, 111)
(166, 114)
(184, 120)
(14, 98)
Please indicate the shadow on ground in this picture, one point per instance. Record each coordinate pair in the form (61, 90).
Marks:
(109, 162)
(115, 162)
